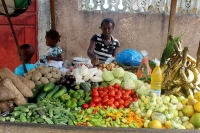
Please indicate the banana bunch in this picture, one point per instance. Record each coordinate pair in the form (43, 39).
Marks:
(180, 75)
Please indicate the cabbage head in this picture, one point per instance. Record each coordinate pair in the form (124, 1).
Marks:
(118, 72)
(129, 84)
(115, 81)
(129, 75)
(107, 76)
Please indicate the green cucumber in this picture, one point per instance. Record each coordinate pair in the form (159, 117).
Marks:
(41, 96)
(52, 92)
(59, 93)
(38, 89)
(48, 87)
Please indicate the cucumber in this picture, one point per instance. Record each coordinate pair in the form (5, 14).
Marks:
(62, 91)
(52, 92)
(48, 87)
(38, 89)
(41, 96)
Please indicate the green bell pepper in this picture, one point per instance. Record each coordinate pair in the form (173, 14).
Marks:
(64, 98)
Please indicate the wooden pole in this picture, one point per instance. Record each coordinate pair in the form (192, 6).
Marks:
(172, 18)
(52, 5)
(14, 34)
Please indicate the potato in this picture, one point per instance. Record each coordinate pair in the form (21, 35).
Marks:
(37, 83)
(44, 80)
(31, 71)
(54, 75)
(43, 71)
(39, 67)
(19, 98)
(52, 80)
(29, 76)
(36, 77)
(6, 94)
(29, 83)
(48, 75)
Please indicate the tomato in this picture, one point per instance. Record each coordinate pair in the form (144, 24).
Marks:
(95, 89)
(109, 103)
(128, 91)
(116, 103)
(111, 93)
(130, 99)
(101, 87)
(104, 100)
(85, 106)
(96, 100)
(135, 99)
(116, 85)
(111, 99)
(109, 87)
(85, 124)
(102, 94)
(121, 101)
(126, 103)
(125, 96)
(121, 106)
(133, 92)
(99, 104)
(95, 94)
(105, 90)
(112, 105)
(92, 104)
(117, 97)
(118, 93)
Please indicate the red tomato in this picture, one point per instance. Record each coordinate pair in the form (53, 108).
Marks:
(111, 99)
(96, 99)
(132, 92)
(112, 105)
(104, 100)
(92, 104)
(109, 87)
(121, 106)
(101, 87)
(118, 93)
(116, 103)
(128, 91)
(85, 106)
(116, 85)
(126, 103)
(98, 104)
(121, 101)
(114, 118)
(125, 96)
(117, 97)
(95, 94)
(130, 99)
(111, 93)
(102, 94)
(135, 99)
(95, 89)
(109, 103)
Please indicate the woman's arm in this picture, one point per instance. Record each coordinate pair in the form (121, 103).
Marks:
(90, 52)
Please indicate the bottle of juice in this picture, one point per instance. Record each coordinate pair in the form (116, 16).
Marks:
(156, 79)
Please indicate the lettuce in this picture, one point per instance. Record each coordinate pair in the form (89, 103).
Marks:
(129, 75)
(118, 72)
(107, 76)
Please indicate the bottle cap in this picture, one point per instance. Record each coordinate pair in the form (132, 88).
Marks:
(157, 62)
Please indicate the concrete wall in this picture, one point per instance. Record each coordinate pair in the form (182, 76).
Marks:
(137, 31)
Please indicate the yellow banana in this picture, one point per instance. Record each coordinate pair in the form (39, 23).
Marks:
(182, 74)
(177, 79)
(195, 72)
(173, 91)
(190, 75)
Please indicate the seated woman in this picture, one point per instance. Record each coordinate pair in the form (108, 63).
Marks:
(103, 46)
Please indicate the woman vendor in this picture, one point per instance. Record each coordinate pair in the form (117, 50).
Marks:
(103, 46)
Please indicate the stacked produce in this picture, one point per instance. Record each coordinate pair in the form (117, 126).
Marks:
(43, 75)
(180, 73)
(13, 90)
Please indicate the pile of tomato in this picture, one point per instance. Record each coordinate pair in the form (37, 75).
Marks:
(114, 96)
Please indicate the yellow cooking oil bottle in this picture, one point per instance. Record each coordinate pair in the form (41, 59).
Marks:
(156, 79)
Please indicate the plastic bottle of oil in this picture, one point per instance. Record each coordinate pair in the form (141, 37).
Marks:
(156, 79)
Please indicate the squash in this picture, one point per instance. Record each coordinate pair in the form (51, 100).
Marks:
(94, 84)
(85, 86)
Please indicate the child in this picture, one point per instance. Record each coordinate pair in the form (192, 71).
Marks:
(54, 57)
(27, 51)
(103, 46)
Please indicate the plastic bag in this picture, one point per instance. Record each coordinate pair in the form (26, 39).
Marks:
(129, 57)
(144, 70)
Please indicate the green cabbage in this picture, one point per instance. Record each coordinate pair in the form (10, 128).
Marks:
(129, 84)
(115, 81)
(118, 72)
(129, 75)
(107, 76)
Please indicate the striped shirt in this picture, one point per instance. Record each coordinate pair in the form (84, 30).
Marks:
(101, 49)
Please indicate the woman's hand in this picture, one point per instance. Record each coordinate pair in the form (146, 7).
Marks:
(95, 60)
(49, 57)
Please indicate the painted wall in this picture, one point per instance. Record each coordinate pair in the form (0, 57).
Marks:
(137, 31)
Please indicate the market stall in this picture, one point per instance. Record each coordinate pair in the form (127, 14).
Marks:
(110, 97)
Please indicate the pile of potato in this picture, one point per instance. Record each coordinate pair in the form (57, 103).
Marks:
(109, 67)
(43, 75)
(13, 90)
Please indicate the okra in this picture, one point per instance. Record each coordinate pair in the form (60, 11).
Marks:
(70, 122)
(2, 118)
(71, 116)
(24, 110)
(41, 112)
(29, 113)
(55, 120)
(16, 113)
(40, 120)
(32, 106)
(50, 112)
(57, 116)
(7, 118)
(49, 121)
(19, 108)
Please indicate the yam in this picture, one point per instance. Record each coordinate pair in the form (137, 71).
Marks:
(6, 106)
(26, 92)
(6, 94)
(19, 98)
(29, 83)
